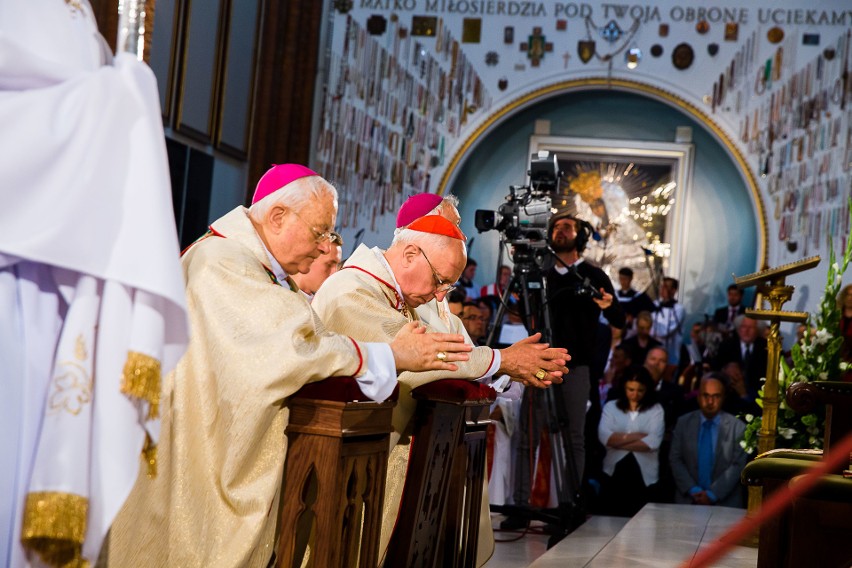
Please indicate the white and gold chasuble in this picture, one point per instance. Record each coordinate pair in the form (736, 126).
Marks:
(361, 300)
(92, 307)
(214, 501)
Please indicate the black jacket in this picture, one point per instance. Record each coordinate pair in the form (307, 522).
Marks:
(574, 316)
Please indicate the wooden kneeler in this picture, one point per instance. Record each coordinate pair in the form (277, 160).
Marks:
(438, 524)
(334, 476)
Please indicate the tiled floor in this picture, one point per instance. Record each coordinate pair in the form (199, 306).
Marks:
(659, 535)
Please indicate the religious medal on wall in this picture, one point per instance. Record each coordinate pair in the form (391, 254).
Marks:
(585, 50)
(682, 56)
(775, 35)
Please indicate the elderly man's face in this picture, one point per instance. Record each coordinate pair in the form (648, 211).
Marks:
(431, 270)
(295, 242)
(748, 330)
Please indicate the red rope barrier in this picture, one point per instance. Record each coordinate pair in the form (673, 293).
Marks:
(779, 501)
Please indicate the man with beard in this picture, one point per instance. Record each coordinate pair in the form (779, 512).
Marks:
(574, 317)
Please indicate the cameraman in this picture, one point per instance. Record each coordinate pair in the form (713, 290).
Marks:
(574, 316)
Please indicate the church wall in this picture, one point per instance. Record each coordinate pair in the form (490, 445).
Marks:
(718, 204)
(378, 153)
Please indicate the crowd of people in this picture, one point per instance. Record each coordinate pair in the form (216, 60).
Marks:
(638, 386)
(665, 410)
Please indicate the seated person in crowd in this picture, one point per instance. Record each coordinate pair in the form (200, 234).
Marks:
(724, 317)
(748, 348)
(631, 429)
(456, 301)
(670, 395)
(465, 282)
(613, 379)
(321, 268)
(632, 301)
(474, 322)
(693, 355)
(706, 458)
(485, 308)
(638, 345)
(737, 400)
(255, 341)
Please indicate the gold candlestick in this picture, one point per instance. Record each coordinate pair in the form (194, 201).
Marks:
(771, 287)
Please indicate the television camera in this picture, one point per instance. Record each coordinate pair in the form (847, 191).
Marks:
(522, 219)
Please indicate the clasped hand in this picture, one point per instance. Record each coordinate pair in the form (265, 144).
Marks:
(415, 350)
(524, 359)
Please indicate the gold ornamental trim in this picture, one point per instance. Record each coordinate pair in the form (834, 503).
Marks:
(141, 379)
(54, 527)
(628, 86)
(149, 455)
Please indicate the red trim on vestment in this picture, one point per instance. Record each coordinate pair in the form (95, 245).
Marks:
(399, 301)
(489, 365)
(360, 357)
(211, 232)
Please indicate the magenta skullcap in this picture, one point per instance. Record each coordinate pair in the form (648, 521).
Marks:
(415, 207)
(277, 177)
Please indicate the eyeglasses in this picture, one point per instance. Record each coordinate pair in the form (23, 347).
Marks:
(441, 288)
(319, 236)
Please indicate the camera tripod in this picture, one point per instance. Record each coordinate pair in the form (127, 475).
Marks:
(547, 404)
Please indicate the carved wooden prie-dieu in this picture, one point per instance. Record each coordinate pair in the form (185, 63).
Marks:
(334, 479)
(438, 525)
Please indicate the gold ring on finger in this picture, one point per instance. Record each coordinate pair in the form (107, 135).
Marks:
(540, 374)
(441, 356)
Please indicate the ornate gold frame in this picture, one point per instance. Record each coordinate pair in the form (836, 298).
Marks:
(632, 87)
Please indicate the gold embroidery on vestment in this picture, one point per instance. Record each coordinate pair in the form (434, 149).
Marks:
(141, 379)
(54, 527)
(71, 387)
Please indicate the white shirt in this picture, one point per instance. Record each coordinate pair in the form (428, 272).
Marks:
(650, 422)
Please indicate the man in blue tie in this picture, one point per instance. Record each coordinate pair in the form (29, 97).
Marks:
(706, 457)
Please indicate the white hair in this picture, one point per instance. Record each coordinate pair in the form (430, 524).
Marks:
(409, 236)
(448, 199)
(295, 195)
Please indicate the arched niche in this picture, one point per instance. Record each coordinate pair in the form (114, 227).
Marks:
(723, 216)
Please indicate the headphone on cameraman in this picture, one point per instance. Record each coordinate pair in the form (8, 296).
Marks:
(585, 231)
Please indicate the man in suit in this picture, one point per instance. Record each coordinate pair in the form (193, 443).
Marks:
(706, 457)
(748, 348)
(724, 317)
